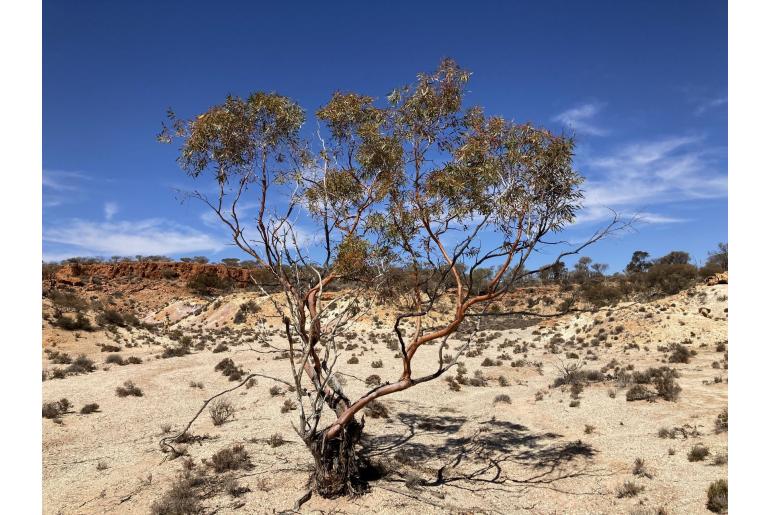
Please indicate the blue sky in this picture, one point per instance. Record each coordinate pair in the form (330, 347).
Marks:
(643, 86)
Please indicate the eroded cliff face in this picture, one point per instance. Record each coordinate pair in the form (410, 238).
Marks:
(82, 274)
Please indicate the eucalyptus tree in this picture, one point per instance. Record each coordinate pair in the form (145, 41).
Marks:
(417, 183)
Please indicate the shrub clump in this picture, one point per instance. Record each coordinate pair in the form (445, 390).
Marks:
(376, 409)
(221, 410)
(56, 409)
(639, 392)
(231, 458)
(129, 389)
(81, 365)
(720, 424)
(181, 498)
(717, 496)
(89, 408)
(629, 489)
(698, 453)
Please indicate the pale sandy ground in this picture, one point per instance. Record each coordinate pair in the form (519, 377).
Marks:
(528, 456)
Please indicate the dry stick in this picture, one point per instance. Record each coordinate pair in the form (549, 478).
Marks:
(165, 446)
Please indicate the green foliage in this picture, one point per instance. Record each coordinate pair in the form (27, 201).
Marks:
(207, 282)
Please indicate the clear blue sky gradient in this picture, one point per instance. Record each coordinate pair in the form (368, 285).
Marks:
(642, 85)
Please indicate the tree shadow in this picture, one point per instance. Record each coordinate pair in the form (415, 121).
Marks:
(498, 455)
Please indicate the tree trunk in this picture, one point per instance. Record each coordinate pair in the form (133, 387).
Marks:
(337, 467)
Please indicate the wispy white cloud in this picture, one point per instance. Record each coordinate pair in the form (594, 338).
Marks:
(580, 119)
(110, 210)
(641, 174)
(147, 237)
(62, 187)
(709, 104)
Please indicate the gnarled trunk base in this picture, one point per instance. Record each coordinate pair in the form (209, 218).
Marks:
(337, 466)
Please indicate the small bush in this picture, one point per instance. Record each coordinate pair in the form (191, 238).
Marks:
(115, 359)
(720, 424)
(502, 398)
(666, 386)
(56, 409)
(353, 360)
(220, 348)
(275, 391)
(639, 392)
(377, 364)
(373, 380)
(288, 405)
(717, 496)
(81, 365)
(133, 360)
(231, 458)
(89, 408)
(128, 389)
(180, 499)
(275, 440)
(175, 352)
(698, 453)
(376, 409)
(640, 469)
(629, 489)
(679, 354)
(79, 323)
(221, 410)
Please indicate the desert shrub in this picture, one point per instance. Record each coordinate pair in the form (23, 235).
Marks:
(81, 365)
(670, 278)
(373, 380)
(221, 410)
(353, 360)
(115, 359)
(679, 354)
(133, 360)
(640, 468)
(128, 389)
(206, 283)
(629, 489)
(66, 300)
(111, 317)
(666, 386)
(275, 391)
(377, 364)
(56, 409)
(502, 398)
(175, 352)
(639, 392)
(59, 358)
(599, 293)
(589, 429)
(181, 498)
(571, 374)
(698, 453)
(288, 405)
(79, 323)
(720, 459)
(220, 348)
(488, 362)
(720, 424)
(275, 440)
(717, 496)
(503, 381)
(231, 458)
(110, 348)
(89, 408)
(376, 409)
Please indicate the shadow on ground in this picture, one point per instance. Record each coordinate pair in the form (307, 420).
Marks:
(496, 455)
